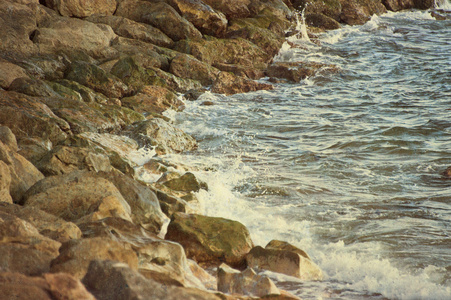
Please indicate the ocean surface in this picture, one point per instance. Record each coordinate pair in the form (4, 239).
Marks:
(347, 166)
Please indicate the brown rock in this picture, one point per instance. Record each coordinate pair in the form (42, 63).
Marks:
(19, 286)
(63, 160)
(245, 283)
(8, 138)
(233, 9)
(188, 182)
(152, 99)
(210, 240)
(77, 254)
(108, 280)
(281, 245)
(282, 261)
(28, 117)
(64, 287)
(229, 84)
(355, 12)
(71, 35)
(48, 225)
(78, 197)
(186, 66)
(5, 182)
(32, 87)
(297, 71)
(203, 276)
(159, 14)
(202, 16)
(9, 72)
(81, 9)
(321, 21)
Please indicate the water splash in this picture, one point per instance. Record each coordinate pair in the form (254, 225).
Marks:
(301, 28)
(442, 5)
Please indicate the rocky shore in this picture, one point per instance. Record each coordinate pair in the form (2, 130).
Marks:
(83, 85)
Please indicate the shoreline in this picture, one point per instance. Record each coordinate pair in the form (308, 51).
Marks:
(84, 87)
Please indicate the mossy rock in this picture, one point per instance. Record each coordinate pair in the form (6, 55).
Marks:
(210, 240)
(186, 183)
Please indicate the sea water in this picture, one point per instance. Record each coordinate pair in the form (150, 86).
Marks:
(347, 166)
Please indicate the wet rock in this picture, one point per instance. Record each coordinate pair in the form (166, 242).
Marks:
(285, 262)
(75, 255)
(23, 174)
(282, 245)
(210, 240)
(193, 95)
(108, 280)
(186, 66)
(63, 160)
(159, 133)
(330, 8)
(95, 78)
(78, 197)
(81, 9)
(171, 204)
(17, 23)
(48, 225)
(9, 72)
(297, 71)
(188, 182)
(134, 30)
(355, 12)
(232, 9)
(48, 287)
(229, 84)
(71, 34)
(447, 172)
(5, 182)
(152, 99)
(159, 15)
(202, 16)
(321, 21)
(232, 281)
(28, 117)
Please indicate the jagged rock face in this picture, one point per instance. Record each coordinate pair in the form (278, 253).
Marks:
(210, 240)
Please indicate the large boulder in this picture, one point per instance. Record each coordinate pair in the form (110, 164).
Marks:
(75, 255)
(9, 72)
(47, 287)
(159, 15)
(232, 281)
(233, 9)
(210, 240)
(28, 117)
(186, 66)
(229, 84)
(355, 12)
(329, 8)
(152, 99)
(202, 16)
(287, 262)
(108, 280)
(48, 225)
(159, 133)
(81, 9)
(71, 34)
(78, 197)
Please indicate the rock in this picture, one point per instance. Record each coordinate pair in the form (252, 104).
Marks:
(75, 255)
(8, 138)
(355, 12)
(134, 30)
(145, 208)
(233, 9)
(447, 172)
(186, 66)
(48, 287)
(245, 283)
(281, 245)
(229, 84)
(321, 21)
(285, 262)
(165, 262)
(63, 160)
(166, 138)
(185, 183)
(72, 35)
(176, 83)
(330, 8)
(297, 71)
(152, 99)
(210, 240)
(209, 281)
(78, 196)
(32, 87)
(87, 95)
(22, 248)
(23, 173)
(17, 23)
(276, 8)
(159, 14)
(108, 280)
(81, 9)
(193, 95)
(202, 16)
(171, 204)
(5, 182)
(9, 72)
(397, 5)
(48, 225)
(95, 78)
(28, 117)
(34, 148)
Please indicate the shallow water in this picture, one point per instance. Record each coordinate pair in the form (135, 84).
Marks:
(346, 166)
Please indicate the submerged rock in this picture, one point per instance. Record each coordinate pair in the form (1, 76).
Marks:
(229, 84)
(210, 240)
